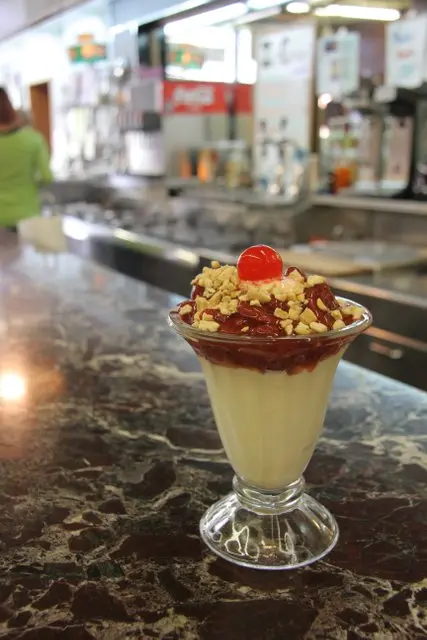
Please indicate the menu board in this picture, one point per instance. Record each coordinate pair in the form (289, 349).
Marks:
(338, 64)
(406, 52)
(370, 138)
(282, 93)
(286, 54)
(397, 151)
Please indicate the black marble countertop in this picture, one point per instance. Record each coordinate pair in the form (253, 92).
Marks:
(109, 456)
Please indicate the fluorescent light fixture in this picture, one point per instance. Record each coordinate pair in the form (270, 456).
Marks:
(256, 5)
(298, 7)
(255, 16)
(357, 12)
(207, 18)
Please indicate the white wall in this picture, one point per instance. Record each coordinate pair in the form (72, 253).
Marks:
(40, 55)
(145, 10)
(17, 15)
(12, 17)
(37, 10)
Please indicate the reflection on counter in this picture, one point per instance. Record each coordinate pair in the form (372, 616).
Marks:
(13, 387)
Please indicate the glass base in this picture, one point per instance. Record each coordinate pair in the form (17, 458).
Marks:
(281, 530)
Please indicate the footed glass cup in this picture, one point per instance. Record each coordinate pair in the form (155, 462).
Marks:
(269, 397)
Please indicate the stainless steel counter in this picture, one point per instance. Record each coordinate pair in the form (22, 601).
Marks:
(383, 205)
(137, 186)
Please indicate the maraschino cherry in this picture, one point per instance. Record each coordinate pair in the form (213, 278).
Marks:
(259, 262)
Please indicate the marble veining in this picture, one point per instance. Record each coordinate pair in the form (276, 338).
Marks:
(109, 458)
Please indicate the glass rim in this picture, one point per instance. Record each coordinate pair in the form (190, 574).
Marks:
(186, 330)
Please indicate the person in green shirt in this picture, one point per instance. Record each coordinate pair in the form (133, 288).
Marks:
(24, 166)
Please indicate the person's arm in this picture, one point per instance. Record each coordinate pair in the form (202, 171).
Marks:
(43, 171)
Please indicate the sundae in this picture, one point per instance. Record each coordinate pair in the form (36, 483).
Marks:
(269, 341)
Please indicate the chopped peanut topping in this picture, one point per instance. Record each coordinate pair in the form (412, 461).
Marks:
(351, 310)
(338, 324)
(346, 310)
(201, 303)
(207, 325)
(186, 309)
(279, 313)
(228, 307)
(302, 309)
(287, 328)
(312, 280)
(308, 316)
(302, 329)
(258, 294)
(215, 299)
(296, 275)
(295, 312)
(319, 327)
(321, 305)
(286, 323)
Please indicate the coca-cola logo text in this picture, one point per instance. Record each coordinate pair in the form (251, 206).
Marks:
(194, 97)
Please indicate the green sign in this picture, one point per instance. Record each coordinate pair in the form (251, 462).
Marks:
(90, 52)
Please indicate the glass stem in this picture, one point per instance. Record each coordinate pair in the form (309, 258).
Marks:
(266, 502)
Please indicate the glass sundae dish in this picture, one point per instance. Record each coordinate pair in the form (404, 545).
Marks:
(269, 343)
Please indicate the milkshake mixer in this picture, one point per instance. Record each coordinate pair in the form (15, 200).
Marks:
(284, 176)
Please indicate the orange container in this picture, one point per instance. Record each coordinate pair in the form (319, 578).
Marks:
(343, 178)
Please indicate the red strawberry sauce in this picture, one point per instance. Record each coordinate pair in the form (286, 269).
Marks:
(292, 355)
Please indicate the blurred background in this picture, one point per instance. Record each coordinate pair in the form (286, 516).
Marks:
(184, 131)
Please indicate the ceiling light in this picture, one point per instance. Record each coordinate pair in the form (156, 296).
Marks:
(358, 12)
(207, 18)
(324, 132)
(298, 7)
(262, 4)
(323, 100)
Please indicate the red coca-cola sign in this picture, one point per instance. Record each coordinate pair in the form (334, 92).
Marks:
(206, 97)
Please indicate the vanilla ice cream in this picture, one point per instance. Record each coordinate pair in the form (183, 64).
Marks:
(269, 422)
